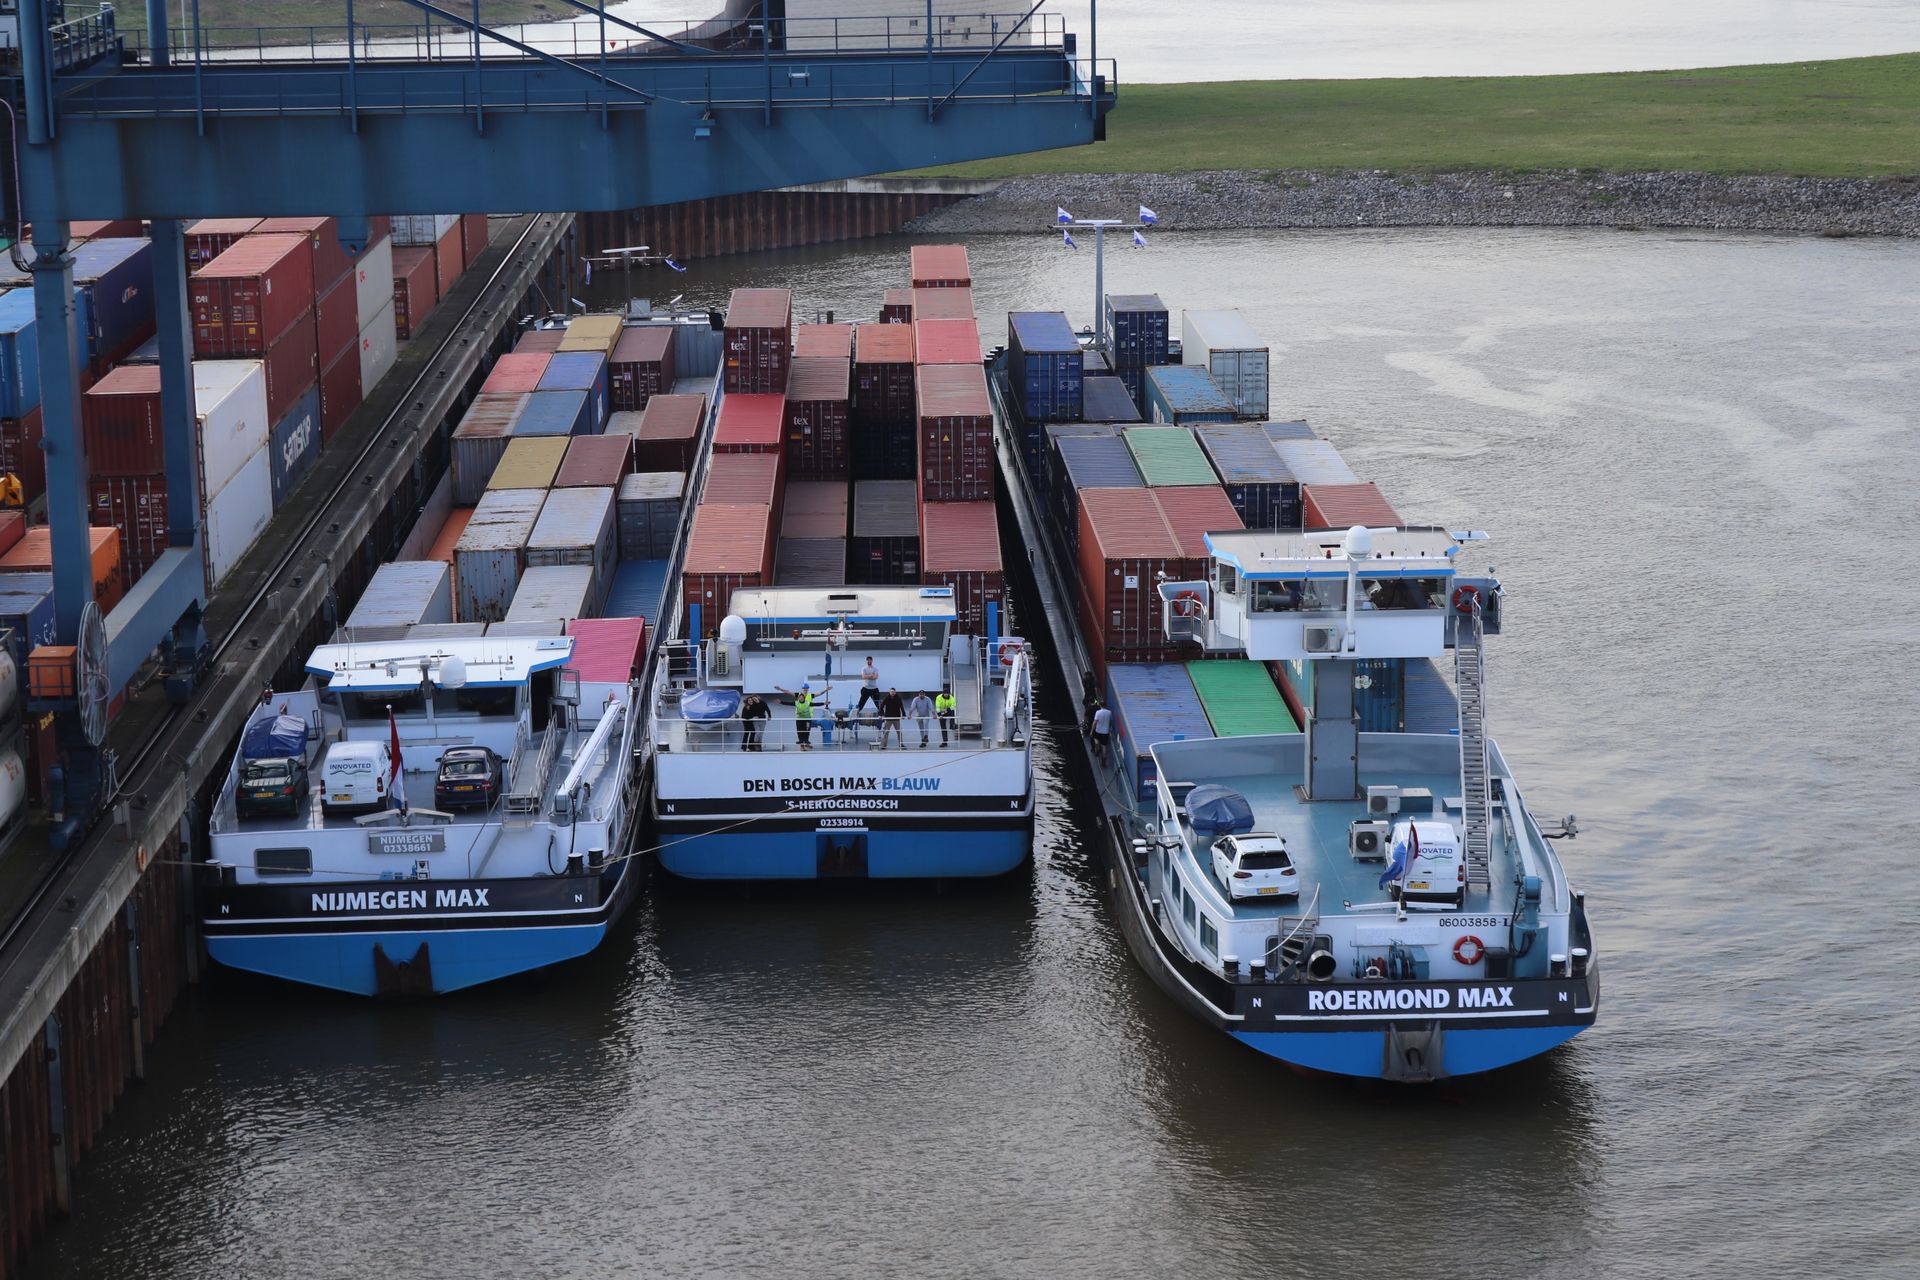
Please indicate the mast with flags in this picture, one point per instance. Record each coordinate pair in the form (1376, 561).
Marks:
(1064, 220)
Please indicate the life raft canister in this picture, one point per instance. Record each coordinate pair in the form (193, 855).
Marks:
(1468, 949)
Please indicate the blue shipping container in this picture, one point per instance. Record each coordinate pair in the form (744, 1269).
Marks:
(19, 355)
(1108, 400)
(1087, 461)
(1427, 700)
(26, 610)
(112, 296)
(555, 413)
(293, 444)
(580, 371)
(637, 590)
(1378, 691)
(1044, 365)
(147, 352)
(1257, 482)
(1186, 393)
(1288, 431)
(1152, 703)
(1315, 462)
(1137, 330)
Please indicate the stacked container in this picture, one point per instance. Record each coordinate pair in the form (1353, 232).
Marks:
(556, 413)
(597, 334)
(1240, 698)
(208, 238)
(883, 402)
(416, 287)
(668, 429)
(1225, 344)
(942, 304)
(885, 547)
(584, 371)
(608, 650)
(1185, 393)
(823, 342)
(1108, 400)
(576, 527)
(33, 554)
(112, 298)
(480, 440)
(20, 426)
(1257, 482)
(516, 372)
(940, 266)
(1191, 514)
(555, 595)
(595, 462)
(1044, 366)
(1125, 551)
(1084, 458)
(1278, 431)
(343, 382)
(491, 553)
(746, 479)
(729, 548)
(642, 366)
(946, 341)
(1341, 506)
(530, 462)
(1315, 462)
(757, 340)
(402, 594)
(750, 423)
(1168, 456)
(817, 414)
(1137, 338)
(956, 457)
(647, 512)
(896, 306)
(815, 509)
(810, 562)
(960, 549)
(256, 300)
(1151, 704)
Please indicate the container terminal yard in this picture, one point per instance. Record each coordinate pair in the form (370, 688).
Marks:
(233, 374)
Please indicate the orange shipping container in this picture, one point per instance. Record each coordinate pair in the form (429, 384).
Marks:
(50, 672)
(448, 538)
(34, 554)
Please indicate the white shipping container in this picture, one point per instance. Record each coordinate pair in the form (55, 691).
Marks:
(555, 594)
(405, 593)
(230, 399)
(1230, 349)
(373, 281)
(379, 345)
(422, 228)
(577, 527)
(236, 516)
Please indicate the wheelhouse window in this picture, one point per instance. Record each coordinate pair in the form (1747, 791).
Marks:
(1209, 938)
(283, 862)
(500, 701)
(1186, 907)
(1297, 595)
(1227, 579)
(1403, 593)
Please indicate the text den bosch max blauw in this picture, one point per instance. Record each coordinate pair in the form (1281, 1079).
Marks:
(917, 782)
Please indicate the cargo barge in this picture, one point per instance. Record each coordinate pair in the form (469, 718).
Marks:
(1310, 841)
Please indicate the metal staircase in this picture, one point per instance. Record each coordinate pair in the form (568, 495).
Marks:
(1469, 678)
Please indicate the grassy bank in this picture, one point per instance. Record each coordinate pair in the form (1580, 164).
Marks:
(1854, 117)
(131, 15)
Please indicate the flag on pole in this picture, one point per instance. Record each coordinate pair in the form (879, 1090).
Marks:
(589, 272)
(1148, 216)
(1139, 241)
(1067, 238)
(1403, 855)
(671, 263)
(396, 781)
(1061, 215)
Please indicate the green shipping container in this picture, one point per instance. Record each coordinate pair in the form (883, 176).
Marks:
(1169, 456)
(1240, 698)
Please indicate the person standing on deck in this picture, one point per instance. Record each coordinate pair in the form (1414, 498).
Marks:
(803, 705)
(943, 708)
(891, 711)
(1102, 729)
(921, 709)
(1089, 699)
(752, 712)
(869, 684)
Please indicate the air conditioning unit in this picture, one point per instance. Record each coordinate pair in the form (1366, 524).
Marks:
(1367, 840)
(1321, 640)
(1383, 802)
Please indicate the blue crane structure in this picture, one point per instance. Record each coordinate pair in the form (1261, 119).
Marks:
(462, 117)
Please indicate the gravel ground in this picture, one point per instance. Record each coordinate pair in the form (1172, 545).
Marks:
(1230, 199)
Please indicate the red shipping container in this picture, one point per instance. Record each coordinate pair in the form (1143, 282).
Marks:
(883, 375)
(594, 462)
(1341, 506)
(817, 418)
(208, 238)
(245, 299)
(330, 263)
(336, 322)
(757, 341)
(942, 304)
(416, 289)
(137, 507)
(823, 342)
(1125, 545)
(955, 434)
(449, 260)
(120, 422)
(516, 371)
(118, 229)
(960, 548)
(13, 527)
(1192, 512)
(940, 266)
(42, 737)
(641, 367)
(292, 367)
(547, 340)
(340, 393)
(946, 342)
(669, 428)
(750, 424)
(815, 509)
(473, 236)
(896, 306)
(729, 548)
(608, 650)
(746, 479)
(21, 455)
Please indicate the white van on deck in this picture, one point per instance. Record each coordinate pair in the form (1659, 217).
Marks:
(354, 778)
(1436, 868)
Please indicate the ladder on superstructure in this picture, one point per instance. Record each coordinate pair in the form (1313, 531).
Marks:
(1469, 678)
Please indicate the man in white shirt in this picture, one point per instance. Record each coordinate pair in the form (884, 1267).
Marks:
(869, 685)
(1102, 730)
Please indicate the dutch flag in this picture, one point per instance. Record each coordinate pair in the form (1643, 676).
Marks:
(1066, 238)
(396, 780)
(671, 263)
(1403, 854)
(1148, 216)
(1061, 216)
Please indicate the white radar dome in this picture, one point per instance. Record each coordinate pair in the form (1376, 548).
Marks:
(733, 629)
(1359, 542)
(453, 672)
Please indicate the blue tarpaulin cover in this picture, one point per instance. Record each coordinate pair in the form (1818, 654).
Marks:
(279, 736)
(709, 704)
(1217, 810)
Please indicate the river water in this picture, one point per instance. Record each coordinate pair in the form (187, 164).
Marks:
(1693, 451)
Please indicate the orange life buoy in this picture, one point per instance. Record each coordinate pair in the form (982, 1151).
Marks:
(1009, 650)
(1468, 949)
(1465, 597)
(1187, 604)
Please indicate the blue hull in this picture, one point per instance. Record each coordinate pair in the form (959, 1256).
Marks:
(1467, 1051)
(878, 855)
(461, 957)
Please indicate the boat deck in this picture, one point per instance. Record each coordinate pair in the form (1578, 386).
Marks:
(984, 730)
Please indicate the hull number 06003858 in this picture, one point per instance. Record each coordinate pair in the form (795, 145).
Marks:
(1477, 922)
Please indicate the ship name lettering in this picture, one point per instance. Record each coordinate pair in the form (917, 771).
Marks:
(460, 897)
(371, 900)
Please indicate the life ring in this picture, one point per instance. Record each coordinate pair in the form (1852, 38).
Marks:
(1009, 650)
(1465, 598)
(1188, 604)
(1468, 949)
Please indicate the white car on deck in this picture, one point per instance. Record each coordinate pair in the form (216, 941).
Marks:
(1255, 865)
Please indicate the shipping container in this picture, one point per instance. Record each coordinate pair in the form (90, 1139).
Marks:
(960, 549)
(1379, 695)
(1168, 456)
(1081, 459)
(1125, 548)
(746, 479)
(447, 631)
(13, 527)
(449, 537)
(1341, 506)
(480, 440)
(517, 372)
(669, 430)
(404, 593)
(120, 420)
(137, 507)
(292, 366)
(19, 354)
(810, 562)
(1257, 482)
(26, 610)
(896, 306)
(247, 298)
(1044, 366)
(1315, 462)
(529, 462)
(1225, 344)
(98, 229)
(1137, 331)
(113, 299)
(816, 418)
(639, 591)
(642, 366)
(379, 348)
(956, 459)
(1277, 431)
(758, 341)
(22, 455)
(729, 548)
(504, 628)
(416, 289)
(1240, 698)
(423, 229)
(449, 260)
(1428, 703)
(330, 264)
(595, 462)
(946, 342)
(1107, 400)
(815, 509)
(942, 304)
(554, 593)
(293, 445)
(751, 423)
(608, 650)
(208, 238)
(823, 342)
(237, 516)
(475, 234)
(373, 275)
(595, 334)
(647, 510)
(576, 527)
(885, 547)
(336, 323)
(579, 371)
(882, 409)
(492, 551)
(547, 340)
(1186, 393)
(1151, 704)
(556, 413)
(940, 266)
(1192, 513)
